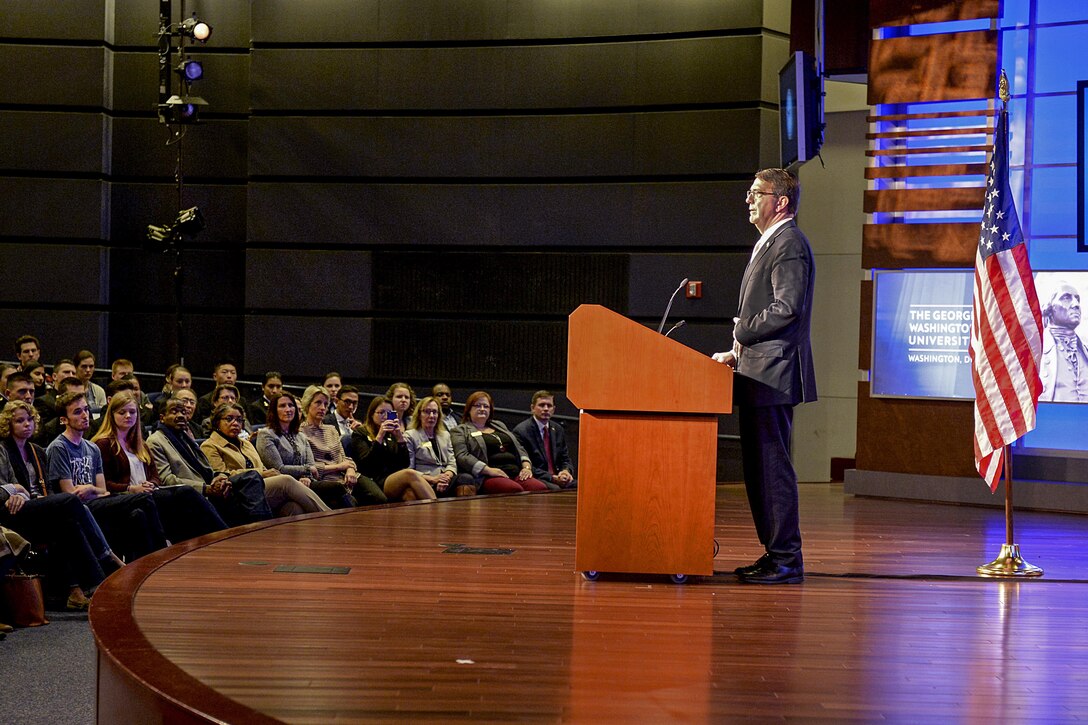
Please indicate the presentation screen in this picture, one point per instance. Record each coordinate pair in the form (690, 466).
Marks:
(922, 334)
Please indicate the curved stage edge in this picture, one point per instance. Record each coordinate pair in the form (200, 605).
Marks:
(470, 610)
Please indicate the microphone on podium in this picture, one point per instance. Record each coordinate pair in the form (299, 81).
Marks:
(675, 327)
(669, 306)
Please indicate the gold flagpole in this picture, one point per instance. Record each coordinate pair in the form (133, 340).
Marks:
(1008, 563)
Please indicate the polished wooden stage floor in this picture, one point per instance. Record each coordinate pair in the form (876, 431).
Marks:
(470, 610)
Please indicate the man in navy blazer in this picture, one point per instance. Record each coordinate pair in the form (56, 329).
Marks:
(558, 472)
(772, 354)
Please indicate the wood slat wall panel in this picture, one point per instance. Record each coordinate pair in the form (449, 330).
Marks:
(943, 67)
(865, 328)
(920, 151)
(904, 172)
(893, 200)
(897, 12)
(891, 246)
(933, 133)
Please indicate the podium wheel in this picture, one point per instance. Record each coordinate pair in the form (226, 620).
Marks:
(591, 576)
(679, 578)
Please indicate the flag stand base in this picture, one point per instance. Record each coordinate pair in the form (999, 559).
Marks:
(1009, 563)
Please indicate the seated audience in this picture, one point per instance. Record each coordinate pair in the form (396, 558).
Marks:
(490, 452)
(224, 393)
(178, 460)
(229, 453)
(96, 394)
(430, 451)
(28, 349)
(379, 451)
(47, 403)
(36, 371)
(546, 443)
(345, 406)
(403, 399)
(52, 428)
(78, 556)
(258, 409)
(444, 396)
(131, 523)
(126, 465)
(332, 382)
(224, 373)
(6, 369)
(177, 378)
(283, 448)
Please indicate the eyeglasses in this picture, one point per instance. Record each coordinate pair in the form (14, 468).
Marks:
(232, 418)
(349, 402)
(756, 193)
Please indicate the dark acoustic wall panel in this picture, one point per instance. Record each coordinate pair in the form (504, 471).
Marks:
(143, 279)
(62, 333)
(512, 283)
(52, 275)
(65, 20)
(638, 73)
(147, 339)
(52, 142)
(212, 150)
(311, 346)
(52, 75)
(136, 22)
(368, 21)
(303, 279)
(52, 207)
(586, 215)
(615, 144)
(655, 276)
(503, 352)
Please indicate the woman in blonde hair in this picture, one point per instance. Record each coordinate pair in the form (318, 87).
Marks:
(126, 464)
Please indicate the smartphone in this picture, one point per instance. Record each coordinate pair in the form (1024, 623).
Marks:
(390, 415)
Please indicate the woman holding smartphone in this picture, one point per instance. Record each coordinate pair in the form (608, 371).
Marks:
(380, 453)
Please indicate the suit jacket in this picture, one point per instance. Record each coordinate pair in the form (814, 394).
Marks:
(171, 466)
(471, 452)
(528, 433)
(775, 365)
(230, 459)
(421, 456)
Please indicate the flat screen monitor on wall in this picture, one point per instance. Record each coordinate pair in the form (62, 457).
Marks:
(800, 110)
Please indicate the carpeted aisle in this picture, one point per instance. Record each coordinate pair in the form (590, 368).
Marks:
(49, 672)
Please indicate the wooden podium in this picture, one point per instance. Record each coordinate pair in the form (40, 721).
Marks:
(647, 447)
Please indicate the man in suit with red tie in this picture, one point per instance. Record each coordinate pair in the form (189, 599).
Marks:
(546, 444)
(772, 354)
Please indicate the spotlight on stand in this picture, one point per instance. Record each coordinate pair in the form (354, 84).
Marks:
(190, 70)
(196, 29)
(181, 110)
(189, 223)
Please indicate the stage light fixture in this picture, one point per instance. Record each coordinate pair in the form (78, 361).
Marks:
(191, 70)
(196, 29)
(182, 109)
(189, 222)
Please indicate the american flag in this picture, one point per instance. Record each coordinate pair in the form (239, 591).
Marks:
(1006, 331)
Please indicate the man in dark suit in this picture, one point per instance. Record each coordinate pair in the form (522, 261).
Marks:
(772, 354)
(546, 444)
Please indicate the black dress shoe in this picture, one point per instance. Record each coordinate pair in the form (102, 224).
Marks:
(776, 574)
(760, 564)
